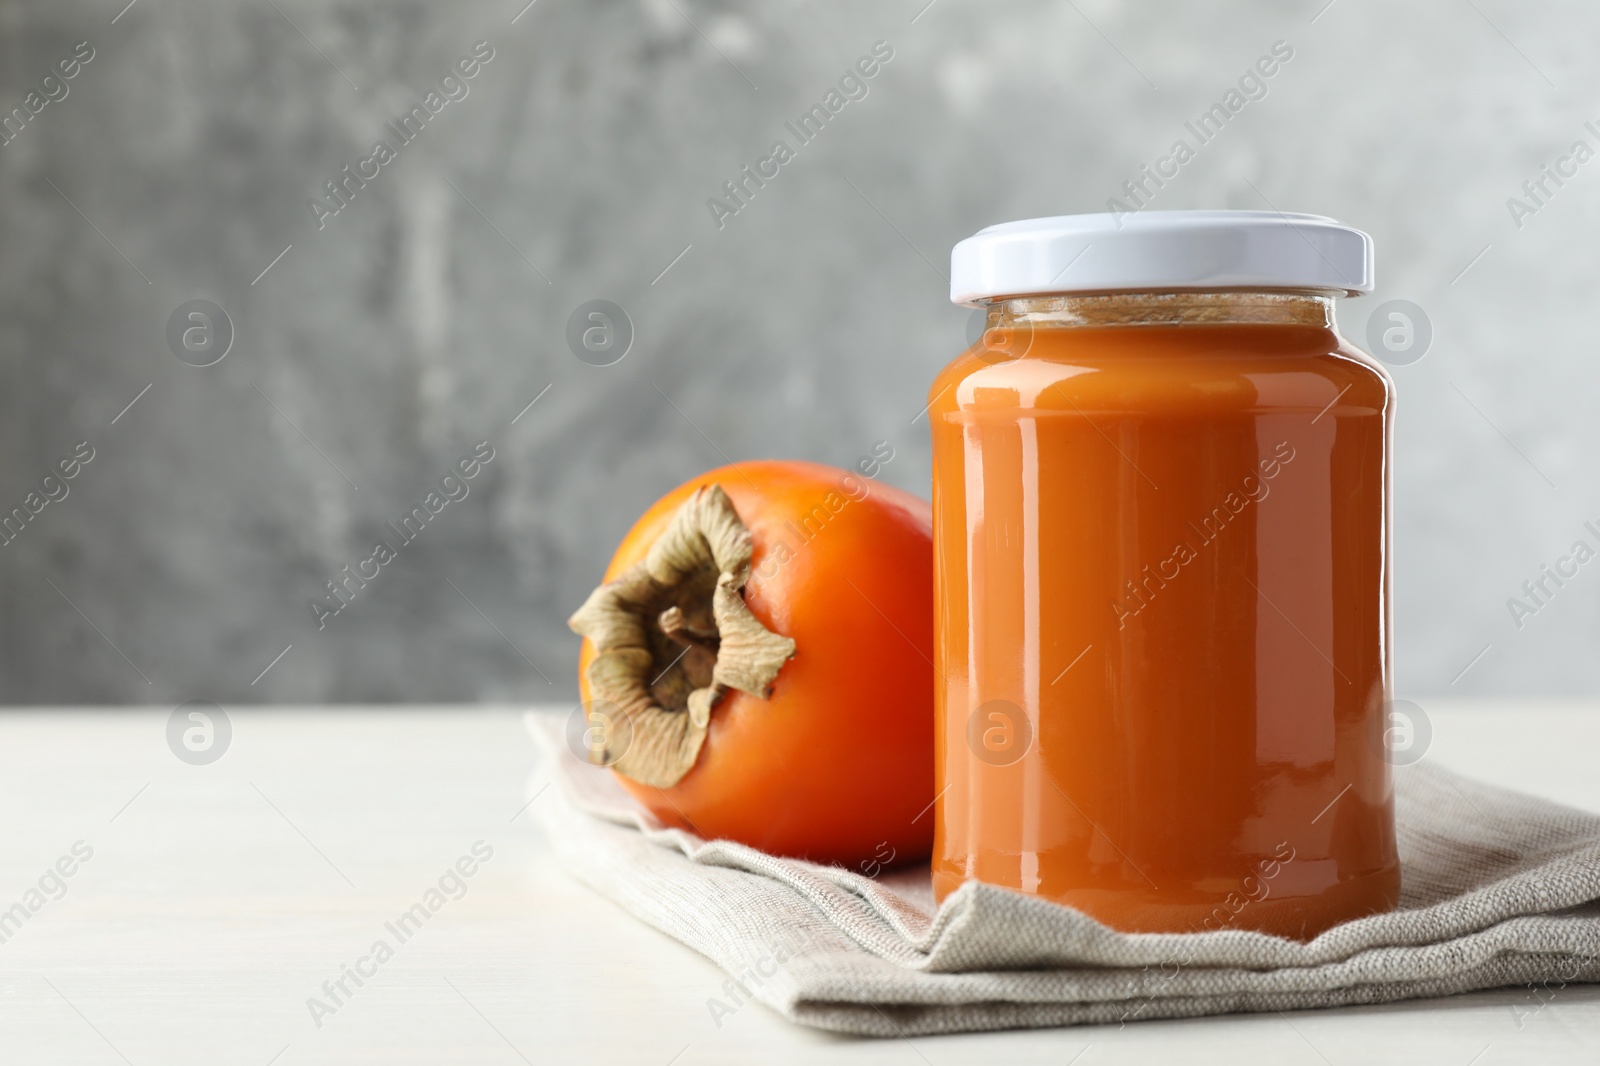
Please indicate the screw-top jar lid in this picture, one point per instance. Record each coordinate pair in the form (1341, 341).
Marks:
(1160, 251)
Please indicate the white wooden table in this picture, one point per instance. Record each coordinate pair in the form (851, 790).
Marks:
(219, 898)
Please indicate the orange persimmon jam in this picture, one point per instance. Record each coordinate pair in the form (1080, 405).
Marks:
(1161, 543)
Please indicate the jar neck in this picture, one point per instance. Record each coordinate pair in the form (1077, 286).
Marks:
(1165, 309)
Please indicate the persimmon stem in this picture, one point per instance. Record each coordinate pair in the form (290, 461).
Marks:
(672, 636)
(676, 626)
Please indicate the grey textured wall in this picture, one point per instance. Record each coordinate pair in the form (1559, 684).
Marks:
(424, 316)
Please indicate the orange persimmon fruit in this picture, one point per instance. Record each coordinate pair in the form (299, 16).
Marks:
(759, 663)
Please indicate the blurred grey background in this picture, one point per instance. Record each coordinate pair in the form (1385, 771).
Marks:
(371, 354)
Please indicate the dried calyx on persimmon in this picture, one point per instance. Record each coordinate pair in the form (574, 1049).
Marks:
(672, 636)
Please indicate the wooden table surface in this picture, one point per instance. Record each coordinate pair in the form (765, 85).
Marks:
(216, 900)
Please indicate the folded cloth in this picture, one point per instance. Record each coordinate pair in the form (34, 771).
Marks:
(1499, 889)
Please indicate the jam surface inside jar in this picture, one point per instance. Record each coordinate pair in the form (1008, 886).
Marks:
(1162, 612)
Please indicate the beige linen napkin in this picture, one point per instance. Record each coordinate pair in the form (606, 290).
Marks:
(1499, 889)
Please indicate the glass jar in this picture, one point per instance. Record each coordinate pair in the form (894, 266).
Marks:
(1161, 543)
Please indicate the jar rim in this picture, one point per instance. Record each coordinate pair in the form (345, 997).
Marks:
(1228, 307)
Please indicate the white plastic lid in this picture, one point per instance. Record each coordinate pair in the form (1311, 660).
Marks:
(1160, 251)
